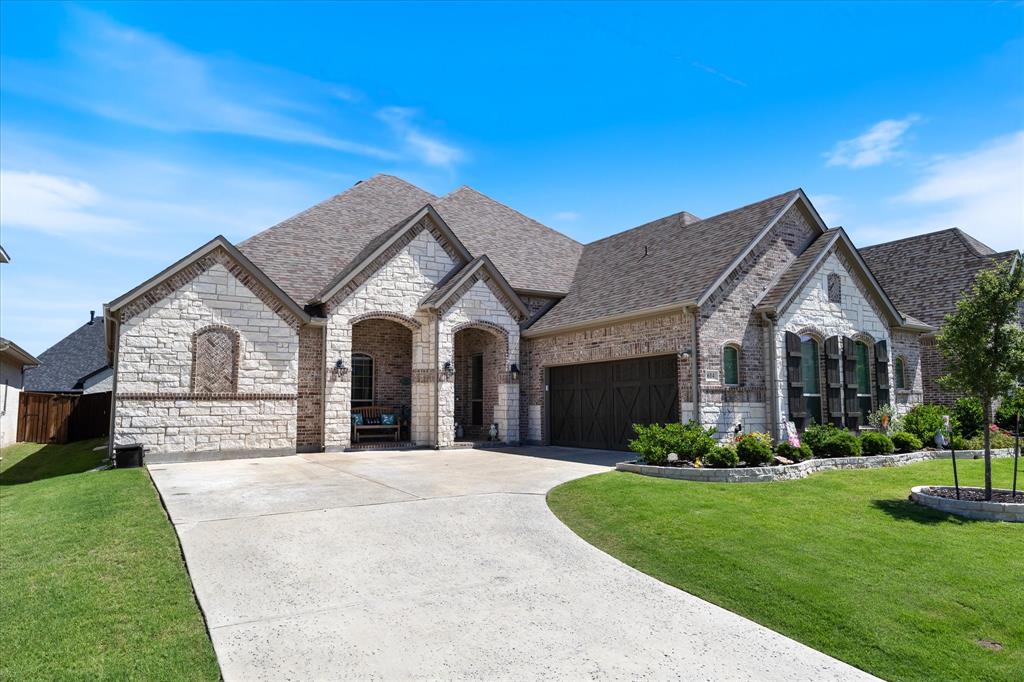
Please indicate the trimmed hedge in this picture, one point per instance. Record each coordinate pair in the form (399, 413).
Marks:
(906, 442)
(720, 457)
(755, 449)
(826, 440)
(873, 443)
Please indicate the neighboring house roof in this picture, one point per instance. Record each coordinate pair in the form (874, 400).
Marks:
(306, 253)
(17, 354)
(926, 275)
(4, 258)
(66, 364)
(672, 261)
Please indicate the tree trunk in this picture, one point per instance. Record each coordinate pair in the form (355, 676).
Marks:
(988, 448)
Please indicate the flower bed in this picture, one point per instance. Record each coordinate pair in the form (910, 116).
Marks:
(943, 498)
(799, 470)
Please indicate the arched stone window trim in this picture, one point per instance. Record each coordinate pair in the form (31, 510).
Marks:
(734, 349)
(215, 359)
(495, 329)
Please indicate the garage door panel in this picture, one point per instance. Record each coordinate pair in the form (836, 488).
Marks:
(596, 404)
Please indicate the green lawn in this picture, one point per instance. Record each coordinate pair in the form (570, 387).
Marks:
(92, 584)
(840, 561)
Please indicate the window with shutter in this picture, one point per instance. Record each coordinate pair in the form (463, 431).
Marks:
(882, 372)
(897, 370)
(794, 380)
(811, 371)
(833, 380)
(864, 405)
(851, 405)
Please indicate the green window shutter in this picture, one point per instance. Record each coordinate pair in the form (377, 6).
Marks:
(794, 380)
(731, 365)
(882, 372)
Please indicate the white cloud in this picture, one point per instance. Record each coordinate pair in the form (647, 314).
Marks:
(880, 143)
(53, 204)
(981, 192)
(715, 72)
(566, 216)
(139, 78)
(430, 150)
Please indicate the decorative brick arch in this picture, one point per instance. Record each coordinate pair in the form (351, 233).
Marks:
(814, 333)
(495, 329)
(215, 358)
(410, 323)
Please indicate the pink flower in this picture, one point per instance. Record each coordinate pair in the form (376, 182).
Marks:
(794, 440)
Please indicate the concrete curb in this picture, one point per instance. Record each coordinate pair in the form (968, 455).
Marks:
(799, 470)
(984, 511)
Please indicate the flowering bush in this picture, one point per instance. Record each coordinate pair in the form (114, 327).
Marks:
(654, 442)
(754, 448)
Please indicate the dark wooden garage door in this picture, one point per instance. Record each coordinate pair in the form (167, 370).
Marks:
(595, 405)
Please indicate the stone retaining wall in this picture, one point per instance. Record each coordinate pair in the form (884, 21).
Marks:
(984, 511)
(798, 470)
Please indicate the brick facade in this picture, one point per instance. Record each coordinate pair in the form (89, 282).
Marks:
(470, 342)
(310, 409)
(660, 335)
(389, 343)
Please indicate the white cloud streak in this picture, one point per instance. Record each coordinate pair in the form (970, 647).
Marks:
(53, 204)
(877, 145)
(430, 150)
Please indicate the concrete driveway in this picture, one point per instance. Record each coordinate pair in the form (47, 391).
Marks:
(439, 565)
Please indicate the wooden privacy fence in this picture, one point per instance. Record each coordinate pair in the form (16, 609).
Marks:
(62, 417)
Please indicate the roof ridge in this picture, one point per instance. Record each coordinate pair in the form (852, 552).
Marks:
(513, 210)
(698, 221)
(908, 238)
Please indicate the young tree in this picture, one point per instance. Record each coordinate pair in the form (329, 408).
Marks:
(983, 342)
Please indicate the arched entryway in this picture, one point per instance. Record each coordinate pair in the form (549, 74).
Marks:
(480, 369)
(380, 373)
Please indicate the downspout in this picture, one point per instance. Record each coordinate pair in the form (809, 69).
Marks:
(437, 382)
(116, 327)
(773, 386)
(694, 360)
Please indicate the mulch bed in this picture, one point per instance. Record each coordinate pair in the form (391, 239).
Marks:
(976, 495)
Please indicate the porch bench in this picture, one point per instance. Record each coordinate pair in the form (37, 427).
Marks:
(372, 419)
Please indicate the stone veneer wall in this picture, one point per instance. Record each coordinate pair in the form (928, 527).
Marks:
(728, 317)
(393, 291)
(810, 312)
(480, 306)
(154, 405)
(665, 334)
(310, 409)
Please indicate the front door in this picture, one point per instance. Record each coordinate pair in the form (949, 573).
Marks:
(476, 390)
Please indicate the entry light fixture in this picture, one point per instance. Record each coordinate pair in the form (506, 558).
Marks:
(447, 371)
(514, 370)
(340, 369)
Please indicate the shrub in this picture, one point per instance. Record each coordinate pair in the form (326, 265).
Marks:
(875, 419)
(655, 441)
(969, 416)
(906, 442)
(1006, 413)
(874, 443)
(924, 420)
(828, 441)
(998, 439)
(792, 452)
(720, 457)
(754, 448)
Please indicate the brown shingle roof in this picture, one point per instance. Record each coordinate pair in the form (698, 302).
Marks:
(667, 261)
(304, 253)
(792, 275)
(926, 275)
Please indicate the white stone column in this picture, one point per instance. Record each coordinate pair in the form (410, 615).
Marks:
(446, 387)
(338, 386)
(424, 376)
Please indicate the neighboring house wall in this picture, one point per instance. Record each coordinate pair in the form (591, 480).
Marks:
(661, 335)
(99, 383)
(728, 318)
(12, 380)
(156, 405)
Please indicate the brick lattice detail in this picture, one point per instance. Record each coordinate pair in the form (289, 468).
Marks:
(215, 360)
(190, 272)
(404, 320)
(206, 397)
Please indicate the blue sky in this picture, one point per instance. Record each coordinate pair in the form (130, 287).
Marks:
(132, 133)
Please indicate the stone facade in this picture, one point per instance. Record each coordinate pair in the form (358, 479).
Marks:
(155, 403)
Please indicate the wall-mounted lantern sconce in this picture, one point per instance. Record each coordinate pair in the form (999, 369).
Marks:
(447, 371)
(684, 354)
(340, 369)
(514, 370)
